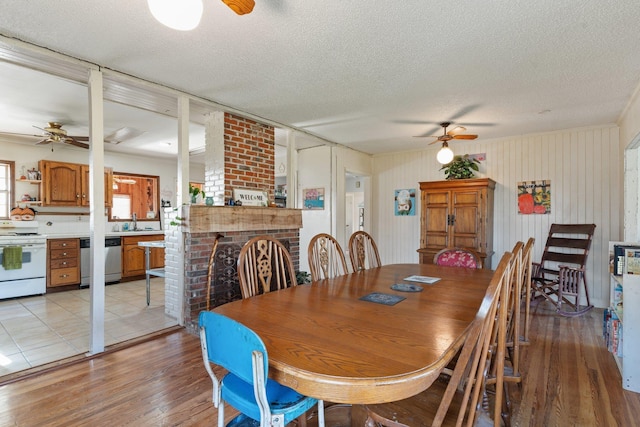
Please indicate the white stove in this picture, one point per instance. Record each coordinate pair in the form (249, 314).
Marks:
(23, 259)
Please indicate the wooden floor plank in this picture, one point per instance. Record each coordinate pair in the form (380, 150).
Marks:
(569, 380)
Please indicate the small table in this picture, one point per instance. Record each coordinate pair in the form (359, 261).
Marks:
(159, 272)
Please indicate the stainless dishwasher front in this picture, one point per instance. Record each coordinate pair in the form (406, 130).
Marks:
(112, 261)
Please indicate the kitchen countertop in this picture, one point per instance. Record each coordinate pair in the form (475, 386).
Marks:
(107, 234)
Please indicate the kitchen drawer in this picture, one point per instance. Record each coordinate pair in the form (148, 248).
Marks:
(64, 263)
(65, 276)
(68, 253)
(64, 243)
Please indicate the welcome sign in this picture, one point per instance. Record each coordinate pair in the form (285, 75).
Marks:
(251, 197)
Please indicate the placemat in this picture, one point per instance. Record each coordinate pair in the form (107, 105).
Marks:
(406, 287)
(380, 298)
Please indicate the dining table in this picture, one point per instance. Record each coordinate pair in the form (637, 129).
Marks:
(371, 336)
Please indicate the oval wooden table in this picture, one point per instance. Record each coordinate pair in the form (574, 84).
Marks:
(325, 342)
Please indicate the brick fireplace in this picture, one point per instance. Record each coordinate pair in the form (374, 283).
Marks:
(240, 153)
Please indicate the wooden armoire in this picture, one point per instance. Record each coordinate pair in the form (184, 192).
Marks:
(456, 213)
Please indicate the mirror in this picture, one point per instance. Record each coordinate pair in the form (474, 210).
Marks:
(133, 193)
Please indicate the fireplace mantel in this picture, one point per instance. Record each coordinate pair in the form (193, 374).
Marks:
(203, 219)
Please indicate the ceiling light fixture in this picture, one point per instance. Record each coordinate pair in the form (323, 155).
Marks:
(182, 15)
(445, 155)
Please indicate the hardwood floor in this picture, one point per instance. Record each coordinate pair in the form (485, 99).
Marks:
(570, 380)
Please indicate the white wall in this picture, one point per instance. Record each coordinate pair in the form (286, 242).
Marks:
(630, 138)
(314, 171)
(586, 173)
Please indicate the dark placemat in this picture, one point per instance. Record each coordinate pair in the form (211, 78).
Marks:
(380, 298)
(406, 287)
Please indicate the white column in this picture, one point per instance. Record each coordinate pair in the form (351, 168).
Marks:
(214, 157)
(97, 221)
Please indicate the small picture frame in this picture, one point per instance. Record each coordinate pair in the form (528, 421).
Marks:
(313, 198)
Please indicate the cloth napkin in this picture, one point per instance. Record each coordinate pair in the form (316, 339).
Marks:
(12, 258)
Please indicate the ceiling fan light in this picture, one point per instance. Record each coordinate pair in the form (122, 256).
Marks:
(182, 15)
(445, 155)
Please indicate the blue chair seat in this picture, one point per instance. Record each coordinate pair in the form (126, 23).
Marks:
(282, 400)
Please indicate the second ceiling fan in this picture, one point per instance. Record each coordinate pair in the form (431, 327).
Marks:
(455, 133)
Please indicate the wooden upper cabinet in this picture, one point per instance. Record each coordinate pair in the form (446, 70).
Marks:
(61, 183)
(67, 184)
(108, 186)
(456, 213)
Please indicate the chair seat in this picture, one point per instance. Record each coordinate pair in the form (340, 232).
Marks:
(239, 394)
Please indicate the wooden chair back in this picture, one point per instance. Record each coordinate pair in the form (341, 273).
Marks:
(567, 244)
(458, 257)
(527, 259)
(462, 398)
(559, 276)
(363, 251)
(326, 258)
(212, 257)
(264, 265)
(513, 314)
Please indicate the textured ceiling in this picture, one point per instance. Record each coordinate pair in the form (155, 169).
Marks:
(368, 75)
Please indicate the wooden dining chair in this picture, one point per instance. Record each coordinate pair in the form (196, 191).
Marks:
(560, 275)
(458, 257)
(473, 393)
(264, 265)
(527, 259)
(246, 385)
(210, 266)
(326, 258)
(363, 251)
(512, 372)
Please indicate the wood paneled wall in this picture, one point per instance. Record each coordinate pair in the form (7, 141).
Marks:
(585, 167)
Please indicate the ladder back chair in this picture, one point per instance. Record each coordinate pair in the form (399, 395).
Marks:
(326, 258)
(512, 372)
(458, 257)
(464, 397)
(363, 251)
(560, 275)
(527, 259)
(264, 265)
(246, 386)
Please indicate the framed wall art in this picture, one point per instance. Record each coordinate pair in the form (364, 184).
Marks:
(313, 198)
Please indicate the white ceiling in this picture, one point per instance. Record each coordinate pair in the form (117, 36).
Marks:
(368, 75)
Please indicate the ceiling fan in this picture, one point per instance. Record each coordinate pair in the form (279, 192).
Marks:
(455, 133)
(53, 132)
(445, 155)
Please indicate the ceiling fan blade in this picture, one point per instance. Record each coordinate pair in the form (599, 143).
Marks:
(123, 134)
(44, 141)
(465, 136)
(79, 138)
(72, 141)
(457, 130)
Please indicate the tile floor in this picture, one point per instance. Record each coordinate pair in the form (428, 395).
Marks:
(41, 329)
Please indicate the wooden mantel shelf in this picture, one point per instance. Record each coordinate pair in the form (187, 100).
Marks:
(203, 219)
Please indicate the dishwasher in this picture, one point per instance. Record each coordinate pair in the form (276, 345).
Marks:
(112, 261)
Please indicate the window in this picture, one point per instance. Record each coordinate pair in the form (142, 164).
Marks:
(6, 187)
(133, 193)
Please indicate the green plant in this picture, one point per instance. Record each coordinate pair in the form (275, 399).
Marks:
(302, 277)
(461, 167)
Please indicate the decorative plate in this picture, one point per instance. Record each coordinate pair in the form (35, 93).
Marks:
(406, 287)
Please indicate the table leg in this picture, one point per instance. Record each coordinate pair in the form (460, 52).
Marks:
(146, 270)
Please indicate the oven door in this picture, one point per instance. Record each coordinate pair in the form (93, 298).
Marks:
(34, 262)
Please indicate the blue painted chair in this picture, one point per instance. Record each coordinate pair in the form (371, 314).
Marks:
(246, 387)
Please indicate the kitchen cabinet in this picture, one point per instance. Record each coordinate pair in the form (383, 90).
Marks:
(63, 266)
(67, 184)
(456, 213)
(133, 262)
